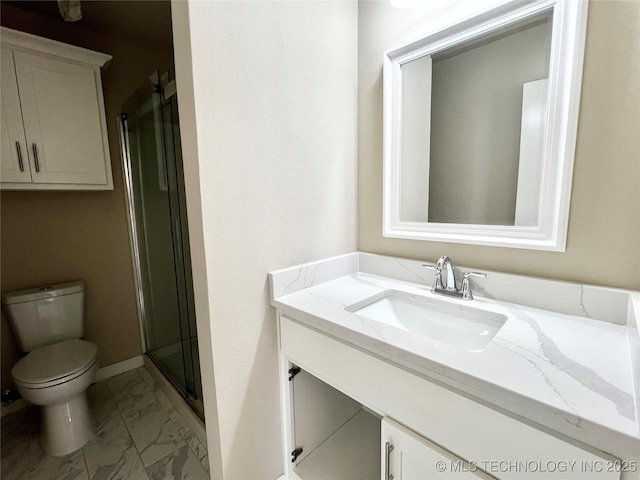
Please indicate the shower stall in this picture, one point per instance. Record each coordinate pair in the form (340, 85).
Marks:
(160, 235)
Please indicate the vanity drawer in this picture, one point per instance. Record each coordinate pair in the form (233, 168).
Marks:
(499, 444)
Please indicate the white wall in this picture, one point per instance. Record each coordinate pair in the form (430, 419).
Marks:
(268, 112)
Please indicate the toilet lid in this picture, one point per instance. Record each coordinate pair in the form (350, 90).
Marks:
(53, 362)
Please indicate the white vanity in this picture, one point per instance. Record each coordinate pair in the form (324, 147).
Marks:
(381, 378)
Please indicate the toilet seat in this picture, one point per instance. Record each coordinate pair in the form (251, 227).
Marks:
(55, 364)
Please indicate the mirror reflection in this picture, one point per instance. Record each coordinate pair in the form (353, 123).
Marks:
(473, 128)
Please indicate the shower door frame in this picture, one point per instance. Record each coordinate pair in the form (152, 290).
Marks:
(131, 224)
(196, 404)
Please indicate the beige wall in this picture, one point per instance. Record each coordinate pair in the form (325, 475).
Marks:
(51, 237)
(603, 245)
(274, 119)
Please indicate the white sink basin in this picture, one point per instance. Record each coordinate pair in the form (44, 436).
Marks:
(468, 327)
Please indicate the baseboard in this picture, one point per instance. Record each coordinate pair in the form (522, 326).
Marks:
(118, 368)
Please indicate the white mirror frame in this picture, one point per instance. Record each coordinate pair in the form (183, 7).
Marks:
(565, 78)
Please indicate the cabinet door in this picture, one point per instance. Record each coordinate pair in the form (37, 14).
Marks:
(62, 118)
(408, 456)
(15, 159)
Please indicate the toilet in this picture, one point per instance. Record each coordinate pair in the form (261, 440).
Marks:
(48, 323)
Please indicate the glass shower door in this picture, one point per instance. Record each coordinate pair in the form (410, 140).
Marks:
(161, 236)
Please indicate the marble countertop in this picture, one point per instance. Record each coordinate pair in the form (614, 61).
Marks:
(566, 358)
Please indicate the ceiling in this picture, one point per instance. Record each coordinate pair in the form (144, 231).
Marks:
(139, 21)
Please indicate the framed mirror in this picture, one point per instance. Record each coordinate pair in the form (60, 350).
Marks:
(480, 122)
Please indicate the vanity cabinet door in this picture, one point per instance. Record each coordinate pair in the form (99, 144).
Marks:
(62, 119)
(409, 456)
(15, 157)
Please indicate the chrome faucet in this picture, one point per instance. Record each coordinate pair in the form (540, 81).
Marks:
(445, 265)
(445, 281)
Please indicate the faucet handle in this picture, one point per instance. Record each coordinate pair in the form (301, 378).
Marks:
(438, 281)
(466, 288)
(466, 275)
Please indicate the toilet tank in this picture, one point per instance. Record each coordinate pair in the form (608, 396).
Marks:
(45, 315)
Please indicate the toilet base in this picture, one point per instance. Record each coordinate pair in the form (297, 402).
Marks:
(67, 427)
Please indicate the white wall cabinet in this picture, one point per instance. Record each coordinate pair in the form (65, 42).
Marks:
(15, 166)
(54, 134)
(345, 408)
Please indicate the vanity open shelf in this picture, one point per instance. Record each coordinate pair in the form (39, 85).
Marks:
(338, 438)
(335, 437)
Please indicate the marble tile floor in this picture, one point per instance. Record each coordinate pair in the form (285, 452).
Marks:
(140, 436)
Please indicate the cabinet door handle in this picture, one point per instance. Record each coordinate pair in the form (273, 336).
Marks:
(35, 157)
(20, 163)
(388, 448)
